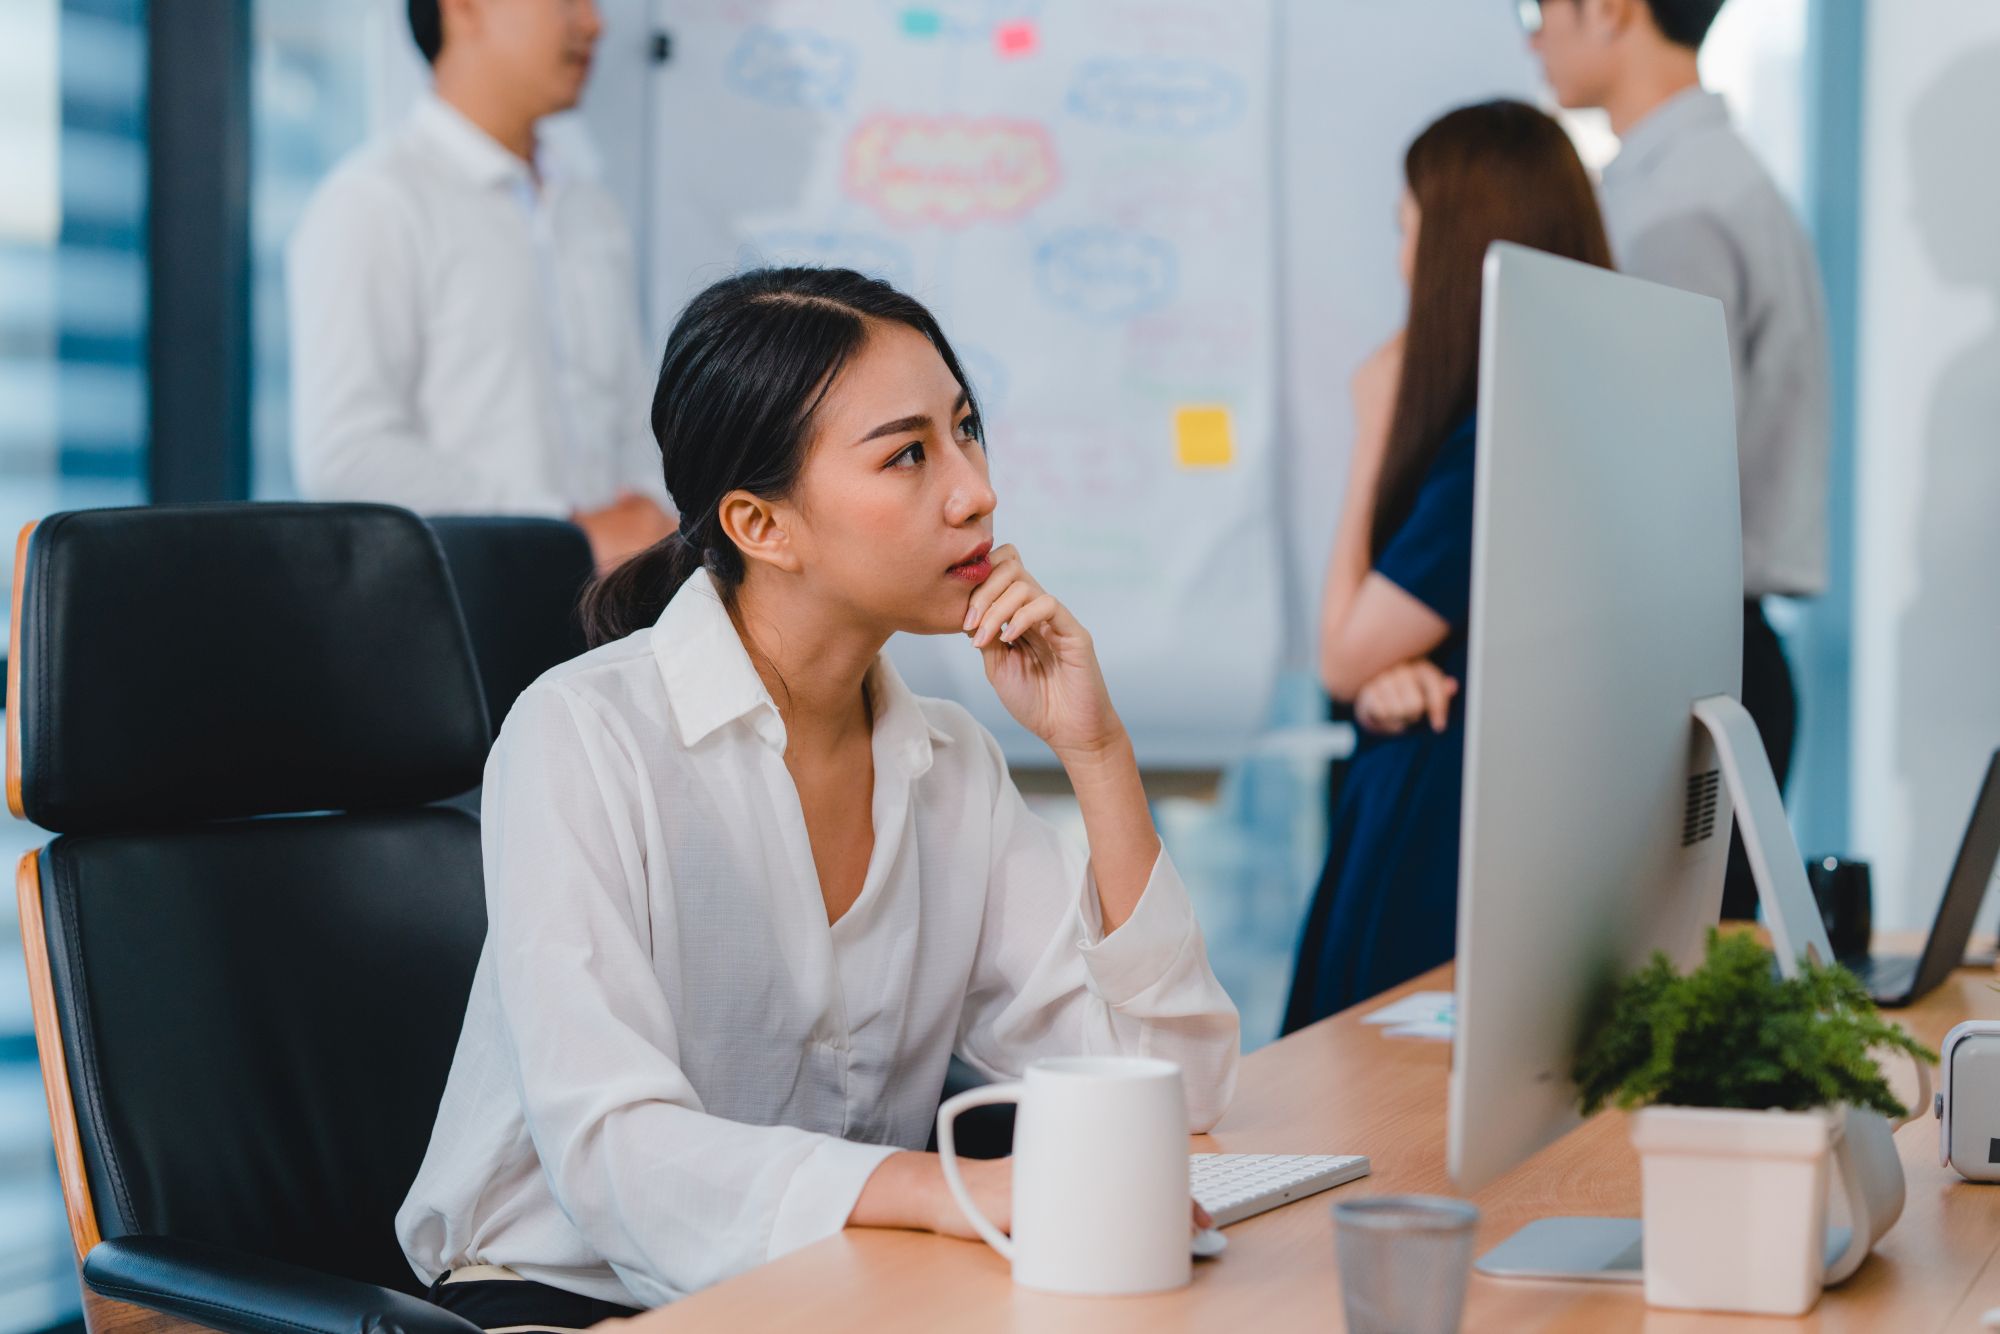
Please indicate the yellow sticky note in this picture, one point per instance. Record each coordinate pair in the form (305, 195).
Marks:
(1202, 438)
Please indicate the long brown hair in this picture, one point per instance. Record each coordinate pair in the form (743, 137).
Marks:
(1497, 171)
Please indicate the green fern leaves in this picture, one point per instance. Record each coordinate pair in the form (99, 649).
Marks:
(1734, 1034)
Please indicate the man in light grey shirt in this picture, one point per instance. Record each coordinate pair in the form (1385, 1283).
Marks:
(1688, 204)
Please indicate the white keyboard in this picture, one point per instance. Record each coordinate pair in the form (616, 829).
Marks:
(1235, 1186)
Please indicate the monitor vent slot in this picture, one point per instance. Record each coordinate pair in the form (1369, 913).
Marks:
(1703, 792)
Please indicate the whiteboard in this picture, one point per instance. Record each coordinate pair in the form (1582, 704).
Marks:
(1083, 195)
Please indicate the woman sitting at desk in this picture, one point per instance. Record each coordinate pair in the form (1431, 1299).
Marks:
(1398, 590)
(747, 893)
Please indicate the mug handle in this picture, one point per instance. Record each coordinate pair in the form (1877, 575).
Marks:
(948, 1156)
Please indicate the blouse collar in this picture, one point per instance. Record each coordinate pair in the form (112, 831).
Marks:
(711, 682)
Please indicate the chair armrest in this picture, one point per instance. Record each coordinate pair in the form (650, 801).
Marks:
(239, 1293)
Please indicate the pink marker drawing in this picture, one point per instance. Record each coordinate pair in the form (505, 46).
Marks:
(950, 171)
(1015, 39)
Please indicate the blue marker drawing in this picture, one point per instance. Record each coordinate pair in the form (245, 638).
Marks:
(791, 68)
(1157, 96)
(877, 256)
(1106, 274)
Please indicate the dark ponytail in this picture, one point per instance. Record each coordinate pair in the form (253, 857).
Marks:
(746, 367)
(632, 594)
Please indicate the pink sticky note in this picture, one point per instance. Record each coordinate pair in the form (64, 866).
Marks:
(1015, 39)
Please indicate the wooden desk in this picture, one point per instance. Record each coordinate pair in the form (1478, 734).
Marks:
(1341, 1087)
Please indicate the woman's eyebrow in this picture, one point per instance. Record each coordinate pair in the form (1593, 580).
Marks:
(920, 422)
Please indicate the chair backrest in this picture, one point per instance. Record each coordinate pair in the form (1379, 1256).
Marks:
(252, 943)
(519, 584)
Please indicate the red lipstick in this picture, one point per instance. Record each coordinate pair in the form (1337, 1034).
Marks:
(975, 567)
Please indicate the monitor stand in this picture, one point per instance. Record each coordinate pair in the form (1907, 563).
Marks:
(1871, 1175)
(1596, 1250)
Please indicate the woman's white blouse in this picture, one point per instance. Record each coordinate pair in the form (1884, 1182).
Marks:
(672, 1068)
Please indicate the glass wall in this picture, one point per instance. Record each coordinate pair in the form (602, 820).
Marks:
(72, 257)
(73, 407)
(312, 68)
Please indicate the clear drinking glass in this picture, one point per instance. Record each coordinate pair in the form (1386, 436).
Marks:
(1403, 1262)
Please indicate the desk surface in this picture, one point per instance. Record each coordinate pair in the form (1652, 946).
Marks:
(1341, 1087)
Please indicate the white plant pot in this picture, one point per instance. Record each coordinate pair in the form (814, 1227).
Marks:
(1735, 1206)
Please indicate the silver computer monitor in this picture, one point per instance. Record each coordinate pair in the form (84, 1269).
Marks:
(1607, 597)
(1604, 742)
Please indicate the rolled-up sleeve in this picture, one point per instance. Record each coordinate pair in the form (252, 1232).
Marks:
(673, 1198)
(1048, 981)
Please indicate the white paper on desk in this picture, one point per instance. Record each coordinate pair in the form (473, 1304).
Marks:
(1416, 1009)
(1427, 1030)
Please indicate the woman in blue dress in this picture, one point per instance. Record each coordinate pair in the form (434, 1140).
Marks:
(1398, 589)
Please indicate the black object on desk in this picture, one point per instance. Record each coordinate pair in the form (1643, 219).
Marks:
(1846, 905)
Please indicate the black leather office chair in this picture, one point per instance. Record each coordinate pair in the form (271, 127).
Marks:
(519, 581)
(251, 943)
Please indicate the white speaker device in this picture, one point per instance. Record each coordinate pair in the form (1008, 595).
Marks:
(1968, 1100)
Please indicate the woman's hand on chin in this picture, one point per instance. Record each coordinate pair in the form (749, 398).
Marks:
(1041, 661)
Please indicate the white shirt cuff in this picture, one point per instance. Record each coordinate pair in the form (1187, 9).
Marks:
(823, 1192)
(1145, 948)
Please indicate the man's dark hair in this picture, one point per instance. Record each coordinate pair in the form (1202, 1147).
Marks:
(427, 26)
(1682, 22)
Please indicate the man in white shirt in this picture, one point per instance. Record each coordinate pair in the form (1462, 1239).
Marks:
(465, 333)
(1687, 203)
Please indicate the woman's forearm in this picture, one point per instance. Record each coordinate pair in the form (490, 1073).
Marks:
(1118, 824)
(908, 1190)
(905, 1191)
(1376, 385)
(1349, 564)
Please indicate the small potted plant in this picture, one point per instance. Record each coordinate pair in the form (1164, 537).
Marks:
(1739, 1078)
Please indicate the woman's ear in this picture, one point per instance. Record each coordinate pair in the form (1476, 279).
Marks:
(758, 528)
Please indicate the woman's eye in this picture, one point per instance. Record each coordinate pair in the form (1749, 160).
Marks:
(908, 457)
(968, 429)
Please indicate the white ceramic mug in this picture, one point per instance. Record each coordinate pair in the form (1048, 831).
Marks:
(1101, 1197)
